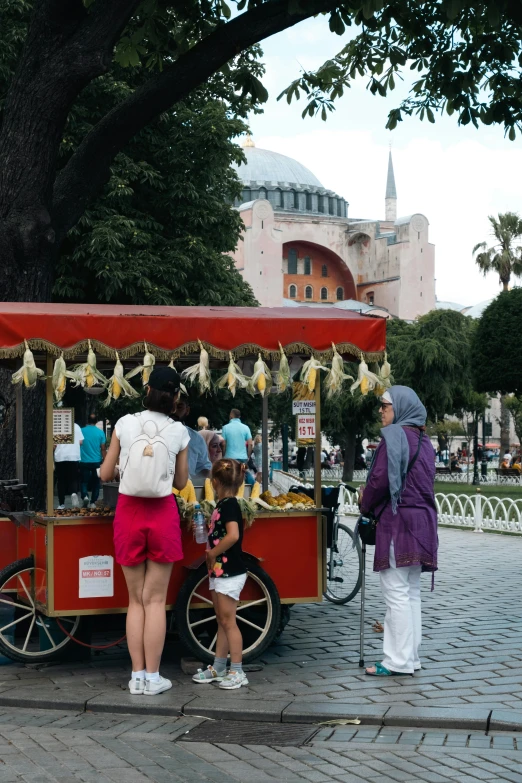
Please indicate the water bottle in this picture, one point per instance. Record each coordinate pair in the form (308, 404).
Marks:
(200, 526)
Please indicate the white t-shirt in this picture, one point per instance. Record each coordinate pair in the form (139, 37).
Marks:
(70, 452)
(129, 427)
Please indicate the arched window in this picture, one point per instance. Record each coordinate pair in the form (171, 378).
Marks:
(339, 294)
(324, 271)
(247, 196)
(262, 193)
(278, 198)
(292, 291)
(309, 292)
(292, 261)
(309, 202)
(307, 265)
(324, 293)
(370, 297)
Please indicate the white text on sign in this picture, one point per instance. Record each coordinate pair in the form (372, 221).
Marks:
(96, 576)
(306, 426)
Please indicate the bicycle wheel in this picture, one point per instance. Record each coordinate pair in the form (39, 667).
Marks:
(344, 565)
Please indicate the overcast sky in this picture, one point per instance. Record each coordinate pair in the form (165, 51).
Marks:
(456, 176)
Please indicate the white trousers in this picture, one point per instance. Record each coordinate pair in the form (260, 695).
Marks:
(402, 623)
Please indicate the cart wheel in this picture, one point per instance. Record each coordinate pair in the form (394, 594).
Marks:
(23, 586)
(258, 614)
(344, 567)
(285, 618)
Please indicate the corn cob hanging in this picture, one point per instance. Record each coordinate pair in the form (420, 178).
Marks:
(28, 372)
(284, 376)
(144, 369)
(86, 374)
(200, 370)
(182, 386)
(233, 379)
(336, 375)
(60, 375)
(261, 380)
(366, 380)
(309, 372)
(118, 386)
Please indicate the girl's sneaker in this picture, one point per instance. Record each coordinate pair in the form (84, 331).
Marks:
(152, 687)
(137, 686)
(233, 680)
(208, 675)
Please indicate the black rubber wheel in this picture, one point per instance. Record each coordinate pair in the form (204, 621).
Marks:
(343, 584)
(258, 614)
(285, 618)
(24, 633)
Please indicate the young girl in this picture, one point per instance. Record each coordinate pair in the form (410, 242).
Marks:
(227, 572)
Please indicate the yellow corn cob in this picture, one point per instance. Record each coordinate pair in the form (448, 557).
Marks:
(192, 493)
(87, 374)
(311, 379)
(209, 492)
(118, 385)
(365, 385)
(261, 380)
(256, 491)
(28, 372)
(144, 369)
(261, 383)
(379, 390)
(241, 491)
(366, 380)
(309, 372)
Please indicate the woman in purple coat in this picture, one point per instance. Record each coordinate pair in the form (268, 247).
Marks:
(406, 538)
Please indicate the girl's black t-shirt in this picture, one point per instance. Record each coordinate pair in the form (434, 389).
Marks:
(229, 563)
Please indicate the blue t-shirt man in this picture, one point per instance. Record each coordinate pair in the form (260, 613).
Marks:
(93, 440)
(238, 438)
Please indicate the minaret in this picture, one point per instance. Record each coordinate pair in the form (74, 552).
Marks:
(390, 201)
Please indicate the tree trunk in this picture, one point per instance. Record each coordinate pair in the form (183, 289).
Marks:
(505, 426)
(348, 446)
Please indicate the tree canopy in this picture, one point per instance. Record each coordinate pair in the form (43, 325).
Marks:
(505, 256)
(497, 349)
(466, 56)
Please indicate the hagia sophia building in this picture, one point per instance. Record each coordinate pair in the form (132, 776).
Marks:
(299, 247)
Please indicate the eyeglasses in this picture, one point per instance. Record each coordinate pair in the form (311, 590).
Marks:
(386, 404)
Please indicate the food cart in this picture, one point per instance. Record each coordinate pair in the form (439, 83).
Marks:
(63, 567)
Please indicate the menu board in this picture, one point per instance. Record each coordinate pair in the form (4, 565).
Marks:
(63, 426)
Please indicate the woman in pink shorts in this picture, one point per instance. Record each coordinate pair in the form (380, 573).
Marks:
(147, 536)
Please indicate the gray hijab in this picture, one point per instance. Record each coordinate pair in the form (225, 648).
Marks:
(408, 410)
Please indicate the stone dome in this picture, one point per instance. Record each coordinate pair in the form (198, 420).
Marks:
(285, 183)
(268, 166)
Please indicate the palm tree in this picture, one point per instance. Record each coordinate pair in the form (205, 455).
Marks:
(503, 257)
(506, 259)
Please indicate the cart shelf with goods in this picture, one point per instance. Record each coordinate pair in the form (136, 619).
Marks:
(59, 568)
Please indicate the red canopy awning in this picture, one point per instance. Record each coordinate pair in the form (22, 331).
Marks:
(173, 331)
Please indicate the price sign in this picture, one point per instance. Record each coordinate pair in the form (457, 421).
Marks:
(63, 426)
(306, 426)
(96, 576)
(303, 406)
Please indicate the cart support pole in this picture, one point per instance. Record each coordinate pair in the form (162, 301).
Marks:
(19, 417)
(49, 435)
(264, 435)
(317, 459)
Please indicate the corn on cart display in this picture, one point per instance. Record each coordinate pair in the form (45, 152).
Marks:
(62, 564)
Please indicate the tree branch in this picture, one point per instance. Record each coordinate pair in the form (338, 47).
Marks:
(89, 168)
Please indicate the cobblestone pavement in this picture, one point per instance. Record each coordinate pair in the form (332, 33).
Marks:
(47, 746)
(472, 648)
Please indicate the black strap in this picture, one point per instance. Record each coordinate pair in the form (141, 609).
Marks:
(410, 466)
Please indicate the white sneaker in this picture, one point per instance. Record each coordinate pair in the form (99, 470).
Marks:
(137, 686)
(61, 508)
(92, 506)
(233, 680)
(153, 688)
(85, 501)
(205, 676)
(74, 500)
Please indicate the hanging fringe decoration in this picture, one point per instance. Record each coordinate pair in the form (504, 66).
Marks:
(144, 369)
(28, 372)
(200, 371)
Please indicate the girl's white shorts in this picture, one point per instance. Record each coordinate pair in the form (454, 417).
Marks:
(229, 585)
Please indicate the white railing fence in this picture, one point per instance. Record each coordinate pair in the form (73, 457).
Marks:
(471, 511)
(336, 473)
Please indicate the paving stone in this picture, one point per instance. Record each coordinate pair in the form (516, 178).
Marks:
(506, 720)
(223, 705)
(438, 717)
(315, 712)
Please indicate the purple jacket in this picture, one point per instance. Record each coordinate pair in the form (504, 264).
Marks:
(413, 528)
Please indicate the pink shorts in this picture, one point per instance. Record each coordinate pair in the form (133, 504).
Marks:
(147, 529)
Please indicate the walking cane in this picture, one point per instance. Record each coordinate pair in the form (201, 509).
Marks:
(363, 587)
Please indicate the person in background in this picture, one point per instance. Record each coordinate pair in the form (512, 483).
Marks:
(147, 534)
(238, 441)
(213, 441)
(257, 454)
(400, 490)
(516, 464)
(202, 423)
(199, 463)
(66, 464)
(92, 452)
(506, 460)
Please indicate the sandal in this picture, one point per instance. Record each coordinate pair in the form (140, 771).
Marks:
(382, 671)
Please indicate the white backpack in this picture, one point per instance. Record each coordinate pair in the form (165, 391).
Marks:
(147, 472)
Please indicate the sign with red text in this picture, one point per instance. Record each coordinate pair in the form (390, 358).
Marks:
(306, 426)
(96, 576)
